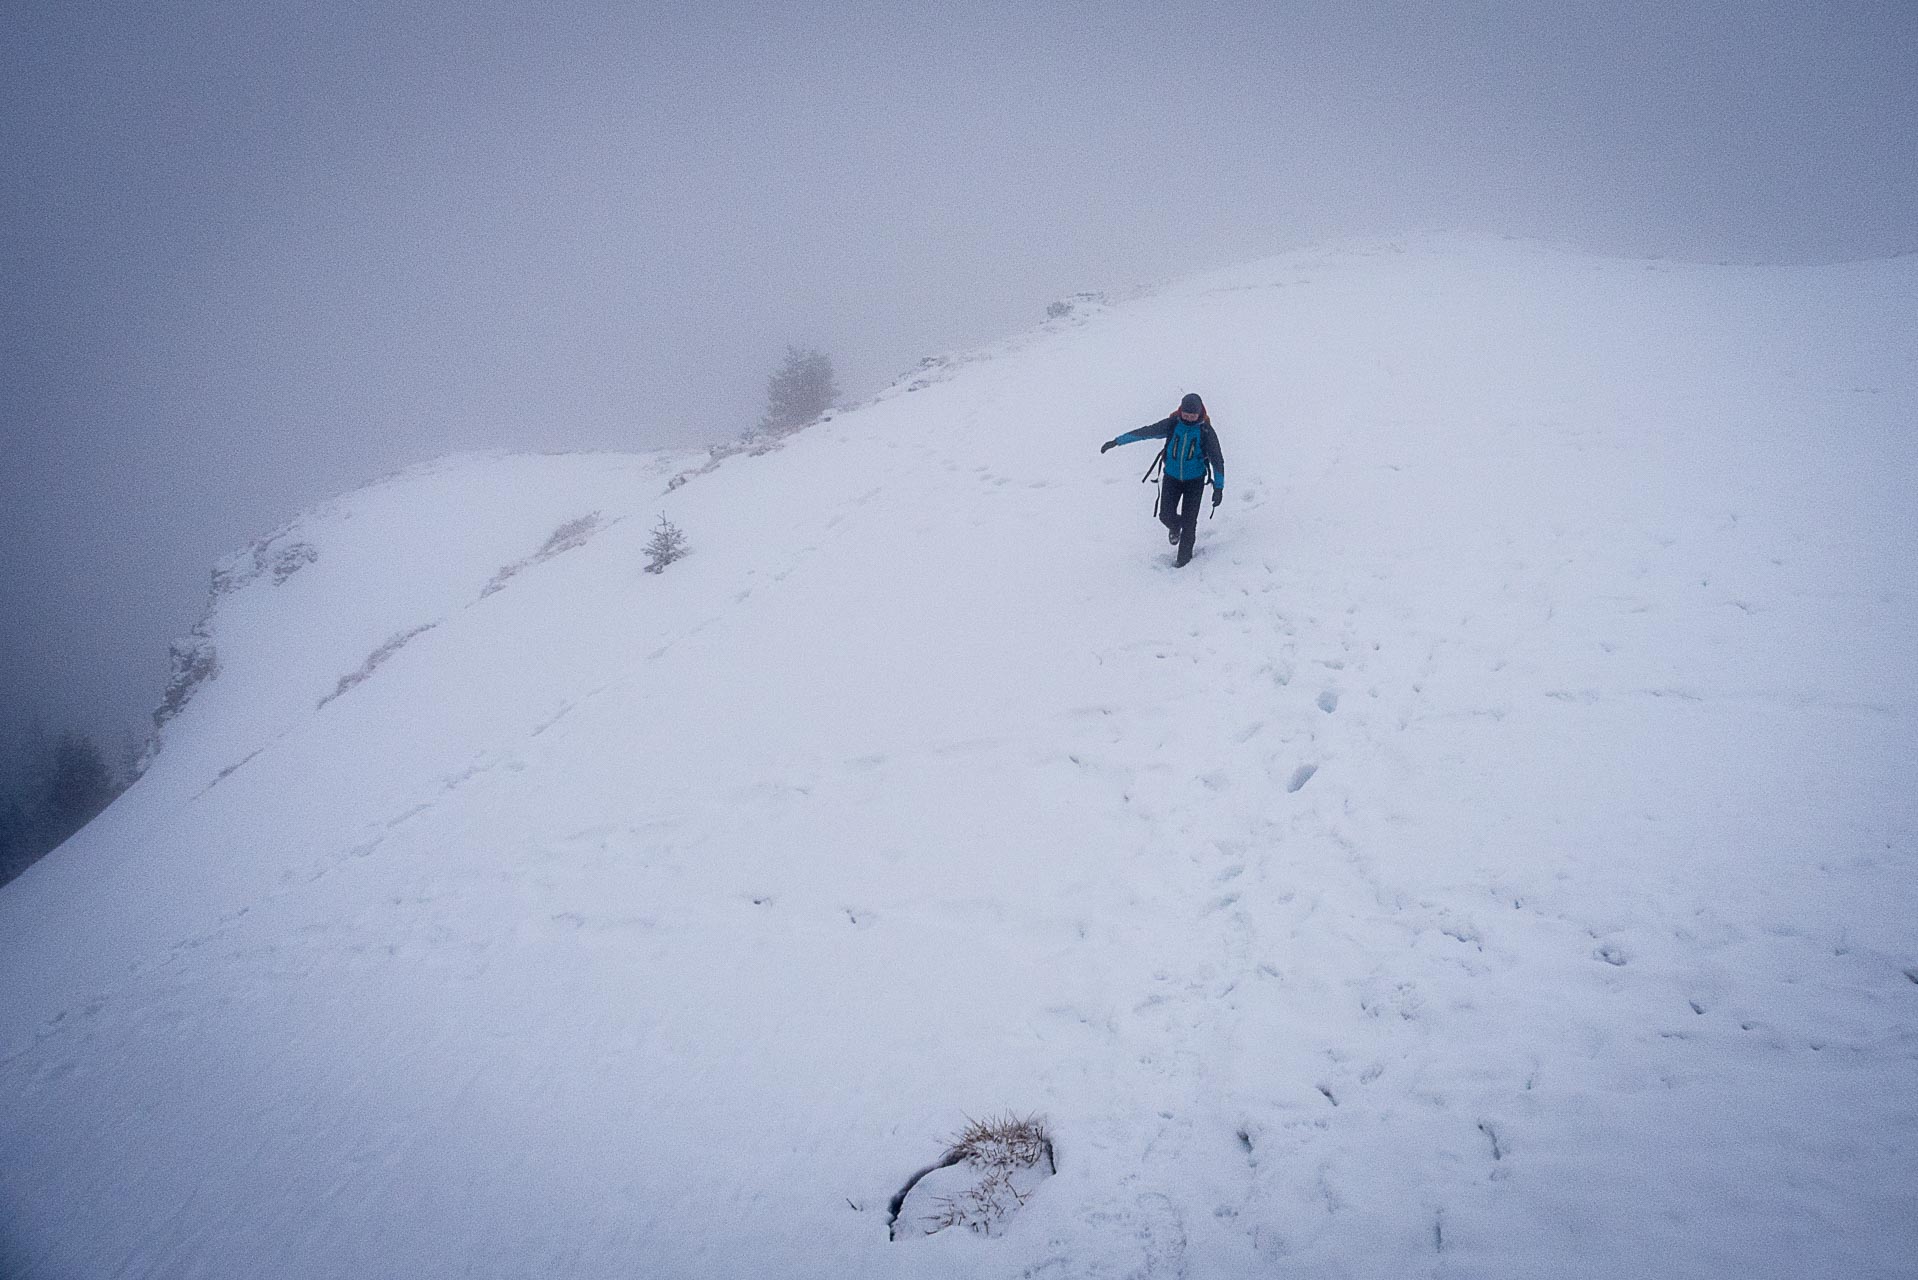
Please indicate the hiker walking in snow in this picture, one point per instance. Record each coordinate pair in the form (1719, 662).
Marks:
(1191, 450)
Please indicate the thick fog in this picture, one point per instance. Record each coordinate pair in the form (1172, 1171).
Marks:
(257, 253)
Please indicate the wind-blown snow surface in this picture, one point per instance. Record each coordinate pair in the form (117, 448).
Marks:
(1493, 856)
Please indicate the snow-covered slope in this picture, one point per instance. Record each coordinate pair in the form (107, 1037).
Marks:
(1493, 856)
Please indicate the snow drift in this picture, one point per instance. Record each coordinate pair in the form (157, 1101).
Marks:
(1492, 856)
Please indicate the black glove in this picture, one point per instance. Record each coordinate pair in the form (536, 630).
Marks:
(1107, 445)
(1218, 495)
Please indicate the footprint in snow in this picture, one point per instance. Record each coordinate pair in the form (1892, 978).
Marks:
(1329, 701)
(1301, 776)
(1492, 1135)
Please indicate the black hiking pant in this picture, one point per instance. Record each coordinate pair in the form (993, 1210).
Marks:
(1179, 502)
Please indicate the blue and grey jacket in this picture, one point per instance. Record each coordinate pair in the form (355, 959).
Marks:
(1190, 447)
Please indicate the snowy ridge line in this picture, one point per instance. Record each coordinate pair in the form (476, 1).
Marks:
(1078, 309)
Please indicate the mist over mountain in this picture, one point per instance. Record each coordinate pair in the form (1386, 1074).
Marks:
(256, 254)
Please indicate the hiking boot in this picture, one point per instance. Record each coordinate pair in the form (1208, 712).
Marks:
(1172, 536)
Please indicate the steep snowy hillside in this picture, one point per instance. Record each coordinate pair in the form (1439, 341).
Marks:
(1493, 856)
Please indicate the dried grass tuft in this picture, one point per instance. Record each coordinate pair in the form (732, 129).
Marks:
(1000, 1150)
(980, 1207)
(1002, 1142)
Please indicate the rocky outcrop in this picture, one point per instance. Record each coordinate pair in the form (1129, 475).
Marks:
(279, 556)
(573, 533)
(193, 660)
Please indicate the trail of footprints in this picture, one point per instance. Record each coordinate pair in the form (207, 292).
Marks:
(1278, 752)
(1292, 735)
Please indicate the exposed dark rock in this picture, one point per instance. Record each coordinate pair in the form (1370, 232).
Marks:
(278, 555)
(192, 662)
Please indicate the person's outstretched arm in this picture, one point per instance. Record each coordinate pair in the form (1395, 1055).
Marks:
(1157, 431)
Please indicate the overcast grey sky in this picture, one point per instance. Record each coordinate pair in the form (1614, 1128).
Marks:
(255, 252)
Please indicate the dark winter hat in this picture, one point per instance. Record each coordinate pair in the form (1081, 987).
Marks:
(1191, 403)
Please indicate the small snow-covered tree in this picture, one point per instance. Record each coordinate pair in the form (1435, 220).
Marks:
(668, 544)
(80, 784)
(799, 391)
(20, 841)
(58, 787)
